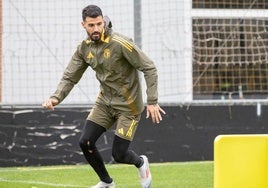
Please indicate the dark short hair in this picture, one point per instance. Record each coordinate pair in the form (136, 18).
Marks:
(92, 11)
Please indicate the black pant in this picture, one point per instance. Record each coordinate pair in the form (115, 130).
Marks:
(120, 151)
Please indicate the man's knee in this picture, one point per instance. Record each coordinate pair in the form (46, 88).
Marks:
(85, 145)
(90, 134)
(118, 156)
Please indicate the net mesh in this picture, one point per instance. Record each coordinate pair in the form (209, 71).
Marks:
(234, 4)
(40, 37)
(199, 55)
(230, 55)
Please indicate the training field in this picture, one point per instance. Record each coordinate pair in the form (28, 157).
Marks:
(165, 175)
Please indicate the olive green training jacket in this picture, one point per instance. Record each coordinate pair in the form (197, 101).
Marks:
(116, 61)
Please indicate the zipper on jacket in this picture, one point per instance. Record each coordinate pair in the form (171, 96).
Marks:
(111, 96)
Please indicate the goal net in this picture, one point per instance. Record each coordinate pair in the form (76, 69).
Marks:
(230, 49)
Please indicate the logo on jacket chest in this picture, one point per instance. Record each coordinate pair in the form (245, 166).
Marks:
(90, 55)
(107, 53)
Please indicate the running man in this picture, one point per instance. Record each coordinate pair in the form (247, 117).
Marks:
(116, 61)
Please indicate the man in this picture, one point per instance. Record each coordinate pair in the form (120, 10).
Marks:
(116, 61)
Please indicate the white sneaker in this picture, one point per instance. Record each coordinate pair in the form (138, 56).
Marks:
(102, 184)
(145, 174)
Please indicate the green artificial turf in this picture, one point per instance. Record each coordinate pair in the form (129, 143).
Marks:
(165, 175)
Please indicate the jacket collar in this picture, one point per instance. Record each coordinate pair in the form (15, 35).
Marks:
(104, 38)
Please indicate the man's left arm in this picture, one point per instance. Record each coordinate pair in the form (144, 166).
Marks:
(144, 64)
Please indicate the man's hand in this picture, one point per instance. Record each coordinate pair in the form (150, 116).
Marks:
(50, 103)
(154, 110)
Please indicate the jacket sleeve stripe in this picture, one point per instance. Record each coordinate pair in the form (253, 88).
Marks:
(124, 43)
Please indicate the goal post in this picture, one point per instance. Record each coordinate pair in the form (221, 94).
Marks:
(1, 59)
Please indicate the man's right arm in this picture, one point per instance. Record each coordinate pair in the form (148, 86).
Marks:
(71, 76)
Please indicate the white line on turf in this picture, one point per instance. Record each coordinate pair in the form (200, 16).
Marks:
(42, 168)
(39, 183)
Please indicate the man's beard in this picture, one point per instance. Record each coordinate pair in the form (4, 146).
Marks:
(95, 36)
